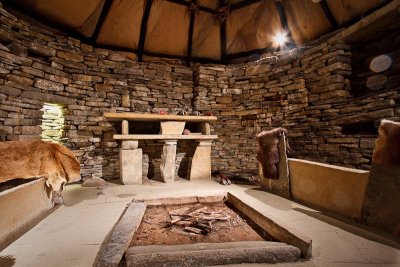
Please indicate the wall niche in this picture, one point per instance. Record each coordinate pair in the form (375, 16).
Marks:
(53, 123)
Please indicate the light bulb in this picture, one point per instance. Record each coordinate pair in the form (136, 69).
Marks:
(280, 39)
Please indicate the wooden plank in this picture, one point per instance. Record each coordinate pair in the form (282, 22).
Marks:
(155, 117)
(163, 137)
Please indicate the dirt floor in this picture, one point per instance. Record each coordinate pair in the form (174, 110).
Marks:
(156, 229)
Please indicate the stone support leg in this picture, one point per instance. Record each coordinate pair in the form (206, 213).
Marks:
(130, 163)
(201, 163)
(168, 157)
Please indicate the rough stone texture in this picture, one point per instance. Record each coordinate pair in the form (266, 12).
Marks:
(280, 186)
(168, 157)
(381, 203)
(212, 254)
(94, 182)
(308, 91)
(131, 166)
(113, 250)
(201, 161)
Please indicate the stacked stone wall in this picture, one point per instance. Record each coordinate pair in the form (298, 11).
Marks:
(308, 91)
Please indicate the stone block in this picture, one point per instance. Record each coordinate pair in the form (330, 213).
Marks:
(172, 127)
(168, 158)
(201, 162)
(131, 166)
(129, 144)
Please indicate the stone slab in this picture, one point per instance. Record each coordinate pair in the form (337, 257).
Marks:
(201, 162)
(167, 165)
(212, 256)
(155, 117)
(113, 250)
(280, 186)
(131, 166)
(277, 229)
(172, 127)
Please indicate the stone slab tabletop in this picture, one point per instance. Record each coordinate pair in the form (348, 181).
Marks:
(155, 117)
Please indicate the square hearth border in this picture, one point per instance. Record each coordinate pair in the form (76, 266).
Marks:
(113, 250)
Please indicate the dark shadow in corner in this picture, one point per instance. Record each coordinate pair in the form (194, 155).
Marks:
(7, 261)
(270, 199)
(187, 149)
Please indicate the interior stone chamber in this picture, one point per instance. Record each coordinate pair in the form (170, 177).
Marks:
(317, 91)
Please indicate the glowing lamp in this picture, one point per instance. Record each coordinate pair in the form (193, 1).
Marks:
(280, 39)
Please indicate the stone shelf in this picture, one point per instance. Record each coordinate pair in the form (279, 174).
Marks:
(163, 137)
(155, 117)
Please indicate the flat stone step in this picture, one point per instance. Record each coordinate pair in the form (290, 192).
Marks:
(206, 254)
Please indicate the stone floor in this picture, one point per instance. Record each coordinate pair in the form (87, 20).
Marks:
(73, 234)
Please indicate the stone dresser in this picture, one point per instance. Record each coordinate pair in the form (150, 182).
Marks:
(171, 132)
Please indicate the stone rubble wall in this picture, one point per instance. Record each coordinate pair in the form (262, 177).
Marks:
(37, 66)
(307, 91)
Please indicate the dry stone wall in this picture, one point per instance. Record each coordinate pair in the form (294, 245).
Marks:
(308, 91)
(37, 66)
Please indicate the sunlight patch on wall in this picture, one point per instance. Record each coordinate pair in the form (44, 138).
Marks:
(53, 123)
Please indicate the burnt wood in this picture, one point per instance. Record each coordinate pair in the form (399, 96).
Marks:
(104, 11)
(143, 29)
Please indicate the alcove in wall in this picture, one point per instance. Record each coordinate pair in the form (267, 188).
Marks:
(53, 123)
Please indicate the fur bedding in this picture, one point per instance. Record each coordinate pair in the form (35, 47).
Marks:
(36, 159)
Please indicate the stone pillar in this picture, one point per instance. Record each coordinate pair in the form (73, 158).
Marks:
(130, 157)
(168, 157)
(201, 162)
(125, 127)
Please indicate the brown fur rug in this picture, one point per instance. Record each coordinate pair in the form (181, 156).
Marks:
(387, 145)
(268, 154)
(36, 159)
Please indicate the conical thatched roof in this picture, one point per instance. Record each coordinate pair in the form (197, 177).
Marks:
(196, 30)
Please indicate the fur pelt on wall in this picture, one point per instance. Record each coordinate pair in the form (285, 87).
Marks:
(387, 145)
(268, 153)
(36, 159)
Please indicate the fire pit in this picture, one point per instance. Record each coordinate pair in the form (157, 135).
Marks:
(199, 232)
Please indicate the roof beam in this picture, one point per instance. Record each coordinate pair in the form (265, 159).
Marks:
(104, 11)
(243, 3)
(223, 35)
(143, 29)
(285, 26)
(185, 3)
(328, 14)
(190, 33)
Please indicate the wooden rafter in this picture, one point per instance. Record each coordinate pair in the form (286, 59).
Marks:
(185, 3)
(243, 3)
(190, 33)
(143, 29)
(104, 11)
(328, 13)
(223, 35)
(285, 26)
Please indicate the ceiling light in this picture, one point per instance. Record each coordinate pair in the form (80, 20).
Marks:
(280, 39)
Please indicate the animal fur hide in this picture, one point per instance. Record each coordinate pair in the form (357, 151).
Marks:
(36, 159)
(387, 145)
(268, 154)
